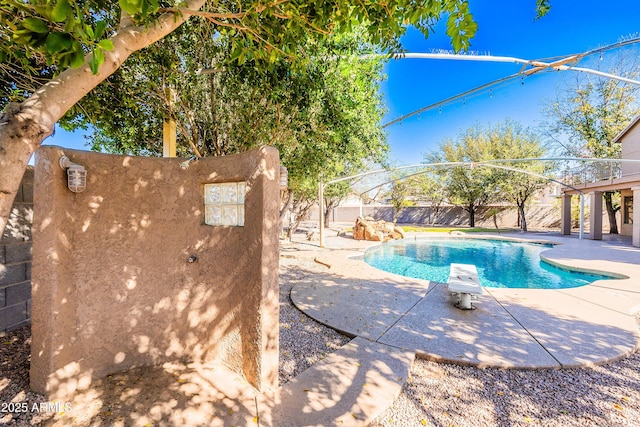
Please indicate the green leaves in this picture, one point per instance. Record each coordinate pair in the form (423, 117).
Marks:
(106, 44)
(97, 58)
(58, 42)
(132, 7)
(99, 32)
(52, 35)
(460, 25)
(55, 33)
(36, 25)
(44, 37)
(475, 187)
(76, 55)
(140, 9)
(61, 11)
(542, 8)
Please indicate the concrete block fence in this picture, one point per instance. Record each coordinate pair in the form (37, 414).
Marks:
(15, 260)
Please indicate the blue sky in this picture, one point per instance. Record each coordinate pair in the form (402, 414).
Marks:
(506, 28)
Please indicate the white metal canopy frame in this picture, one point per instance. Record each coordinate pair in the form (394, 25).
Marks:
(486, 163)
(529, 67)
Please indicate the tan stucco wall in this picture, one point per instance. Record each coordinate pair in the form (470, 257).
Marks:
(112, 285)
(631, 150)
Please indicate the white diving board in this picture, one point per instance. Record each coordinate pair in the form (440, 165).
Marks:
(464, 284)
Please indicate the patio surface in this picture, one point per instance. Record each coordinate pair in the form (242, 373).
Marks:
(394, 319)
(523, 328)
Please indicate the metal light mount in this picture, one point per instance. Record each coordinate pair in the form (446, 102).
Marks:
(76, 175)
(185, 164)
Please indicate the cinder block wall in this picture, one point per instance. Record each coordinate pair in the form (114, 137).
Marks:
(15, 259)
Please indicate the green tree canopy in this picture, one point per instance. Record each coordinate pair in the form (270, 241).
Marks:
(55, 35)
(402, 193)
(523, 179)
(473, 186)
(54, 52)
(589, 111)
(468, 187)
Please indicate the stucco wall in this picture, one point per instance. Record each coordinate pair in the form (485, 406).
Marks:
(112, 285)
(631, 150)
(15, 259)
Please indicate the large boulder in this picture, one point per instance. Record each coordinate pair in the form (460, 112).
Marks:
(376, 231)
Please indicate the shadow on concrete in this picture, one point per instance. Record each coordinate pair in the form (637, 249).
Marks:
(509, 328)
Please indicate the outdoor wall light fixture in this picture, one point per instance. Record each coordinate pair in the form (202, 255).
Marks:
(76, 175)
(185, 164)
(284, 178)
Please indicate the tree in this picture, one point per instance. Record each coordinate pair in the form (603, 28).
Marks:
(466, 186)
(333, 195)
(473, 186)
(407, 190)
(518, 185)
(80, 44)
(402, 194)
(323, 119)
(431, 190)
(46, 45)
(591, 111)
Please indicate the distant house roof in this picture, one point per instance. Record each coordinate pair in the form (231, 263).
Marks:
(627, 129)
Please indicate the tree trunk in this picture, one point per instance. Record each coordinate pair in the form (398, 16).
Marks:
(523, 219)
(472, 216)
(24, 126)
(302, 213)
(611, 212)
(330, 206)
(287, 204)
(20, 136)
(435, 215)
(396, 215)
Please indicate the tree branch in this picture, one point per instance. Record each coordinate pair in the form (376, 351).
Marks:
(56, 97)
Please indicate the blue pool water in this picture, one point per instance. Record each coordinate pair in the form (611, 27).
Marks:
(500, 264)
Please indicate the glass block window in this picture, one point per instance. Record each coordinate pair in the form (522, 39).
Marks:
(224, 203)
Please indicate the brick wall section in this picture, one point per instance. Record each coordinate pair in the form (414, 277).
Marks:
(15, 260)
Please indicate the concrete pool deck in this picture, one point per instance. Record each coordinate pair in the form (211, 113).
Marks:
(393, 319)
(511, 328)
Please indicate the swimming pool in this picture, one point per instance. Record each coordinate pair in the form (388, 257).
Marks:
(500, 263)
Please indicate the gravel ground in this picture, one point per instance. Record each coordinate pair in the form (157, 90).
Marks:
(434, 395)
(450, 395)
(16, 400)
(303, 341)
